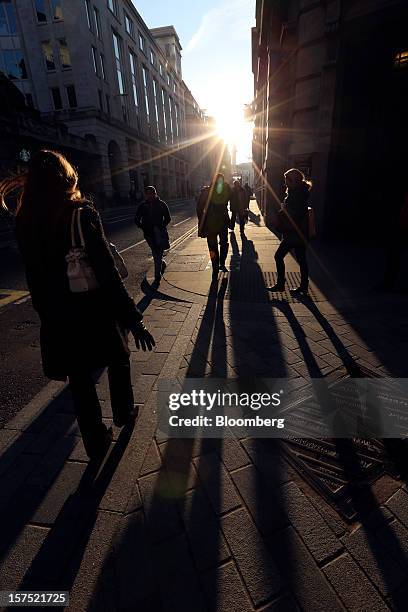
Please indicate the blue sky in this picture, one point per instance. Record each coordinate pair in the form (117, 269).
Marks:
(216, 40)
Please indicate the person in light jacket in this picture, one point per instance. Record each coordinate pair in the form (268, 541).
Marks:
(153, 217)
(80, 332)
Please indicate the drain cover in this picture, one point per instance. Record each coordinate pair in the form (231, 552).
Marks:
(250, 285)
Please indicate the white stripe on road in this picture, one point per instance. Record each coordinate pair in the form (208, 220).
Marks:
(131, 246)
(180, 222)
(118, 220)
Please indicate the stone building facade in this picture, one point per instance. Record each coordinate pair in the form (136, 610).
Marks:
(96, 66)
(331, 95)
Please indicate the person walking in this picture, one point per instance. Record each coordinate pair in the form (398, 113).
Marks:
(153, 217)
(294, 225)
(214, 220)
(239, 207)
(84, 308)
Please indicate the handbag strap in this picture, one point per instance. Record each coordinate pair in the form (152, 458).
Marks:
(73, 241)
(79, 226)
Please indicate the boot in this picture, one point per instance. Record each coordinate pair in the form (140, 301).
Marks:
(280, 286)
(301, 290)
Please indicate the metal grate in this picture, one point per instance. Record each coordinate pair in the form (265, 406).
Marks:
(250, 285)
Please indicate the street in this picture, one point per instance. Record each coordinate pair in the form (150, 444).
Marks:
(20, 361)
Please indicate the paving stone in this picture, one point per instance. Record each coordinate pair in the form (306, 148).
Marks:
(203, 530)
(268, 460)
(15, 442)
(173, 329)
(233, 454)
(19, 557)
(375, 560)
(165, 344)
(159, 506)
(352, 586)
(217, 483)
(65, 485)
(253, 560)
(36, 406)
(285, 603)
(152, 461)
(394, 537)
(177, 579)
(262, 500)
(398, 504)
(225, 591)
(399, 598)
(84, 588)
(60, 425)
(133, 562)
(315, 532)
(307, 583)
(142, 388)
(155, 364)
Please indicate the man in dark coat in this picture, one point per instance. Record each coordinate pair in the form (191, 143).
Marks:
(214, 220)
(153, 217)
(239, 206)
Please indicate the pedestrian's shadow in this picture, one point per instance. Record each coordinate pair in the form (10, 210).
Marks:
(56, 564)
(364, 501)
(253, 218)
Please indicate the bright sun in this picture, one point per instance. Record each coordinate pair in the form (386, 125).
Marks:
(232, 127)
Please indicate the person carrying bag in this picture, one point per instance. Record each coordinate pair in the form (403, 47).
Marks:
(83, 305)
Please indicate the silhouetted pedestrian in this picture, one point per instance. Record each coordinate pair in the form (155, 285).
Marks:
(84, 307)
(239, 207)
(294, 225)
(214, 220)
(153, 217)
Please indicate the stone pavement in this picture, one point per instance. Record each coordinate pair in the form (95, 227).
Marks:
(216, 525)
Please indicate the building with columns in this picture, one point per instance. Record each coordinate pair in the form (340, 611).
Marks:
(331, 93)
(95, 66)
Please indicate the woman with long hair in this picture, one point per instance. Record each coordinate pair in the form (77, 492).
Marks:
(81, 332)
(294, 225)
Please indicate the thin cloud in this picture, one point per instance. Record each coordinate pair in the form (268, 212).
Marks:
(230, 19)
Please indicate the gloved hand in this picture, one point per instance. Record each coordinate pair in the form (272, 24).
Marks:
(143, 338)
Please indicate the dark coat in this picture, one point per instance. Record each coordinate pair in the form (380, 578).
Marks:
(79, 331)
(152, 214)
(295, 208)
(212, 211)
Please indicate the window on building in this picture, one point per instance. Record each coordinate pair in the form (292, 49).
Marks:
(41, 11)
(176, 114)
(71, 95)
(146, 92)
(133, 74)
(12, 64)
(97, 22)
(142, 43)
(117, 48)
(168, 79)
(128, 24)
(100, 99)
(48, 53)
(65, 58)
(94, 60)
(163, 97)
(152, 58)
(8, 23)
(171, 120)
(103, 71)
(160, 69)
(56, 98)
(401, 59)
(108, 109)
(156, 108)
(56, 9)
(112, 6)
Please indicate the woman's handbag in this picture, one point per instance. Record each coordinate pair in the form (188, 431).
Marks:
(119, 261)
(161, 238)
(81, 276)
